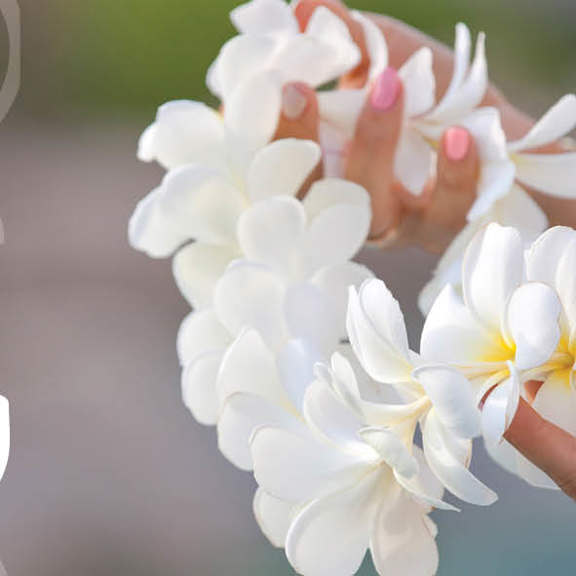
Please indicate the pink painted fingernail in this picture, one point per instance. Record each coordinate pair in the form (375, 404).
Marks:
(386, 90)
(294, 101)
(456, 143)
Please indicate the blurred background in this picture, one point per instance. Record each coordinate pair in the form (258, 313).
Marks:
(109, 475)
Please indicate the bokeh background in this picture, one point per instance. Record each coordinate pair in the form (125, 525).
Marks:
(109, 475)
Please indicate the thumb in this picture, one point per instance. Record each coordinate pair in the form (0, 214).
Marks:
(550, 448)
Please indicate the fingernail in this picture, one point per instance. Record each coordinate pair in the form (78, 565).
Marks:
(386, 90)
(456, 143)
(294, 101)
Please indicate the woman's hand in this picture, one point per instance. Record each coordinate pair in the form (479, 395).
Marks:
(550, 448)
(433, 219)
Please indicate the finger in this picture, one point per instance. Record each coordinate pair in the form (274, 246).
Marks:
(403, 41)
(532, 387)
(435, 217)
(370, 161)
(550, 448)
(299, 117)
(456, 184)
(303, 12)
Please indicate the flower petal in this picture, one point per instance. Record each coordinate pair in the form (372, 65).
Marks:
(383, 311)
(253, 109)
(555, 124)
(330, 536)
(375, 44)
(151, 231)
(331, 192)
(300, 467)
(449, 267)
(281, 168)
(543, 258)
(379, 405)
(199, 387)
(330, 416)
(566, 287)
(340, 109)
(197, 268)
(533, 324)
(497, 171)
(556, 401)
(403, 540)
(202, 204)
(500, 408)
(392, 449)
(273, 516)
(251, 295)
(311, 318)
(338, 232)
(328, 29)
(295, 363)
(462, 49)
(414, 163)
(249, 366)
(269, 231)
(424, 487)
(264, 17)
(242, 58)
(452, 397)
(241, 415)
(335, 281)
(493, 268)
(419, 83)
(453, 335)
(200, 332)
(185, 132)
(552, 174)
(465, 93)
(378, 334)
(449, 469)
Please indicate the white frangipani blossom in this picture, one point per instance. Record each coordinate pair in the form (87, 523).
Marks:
(270, 51)
(552, 261)
(506, 202)
(289, 281)
(502, 329)
(437, 397)
(424, 120)
(329, 490)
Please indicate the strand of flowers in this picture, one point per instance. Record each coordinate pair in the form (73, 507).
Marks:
(328, 427)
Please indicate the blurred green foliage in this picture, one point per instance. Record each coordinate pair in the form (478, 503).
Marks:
(127, 56)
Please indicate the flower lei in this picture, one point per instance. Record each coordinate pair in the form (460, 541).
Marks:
(296, 353)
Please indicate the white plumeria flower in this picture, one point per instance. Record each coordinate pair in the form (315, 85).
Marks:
(507, 203)
(330, 490)
(291, 283)
(501, 330)
(257, 387)
(425, 122)
(270, 51)
(552, 260)
(205, 192)
(436, 396)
